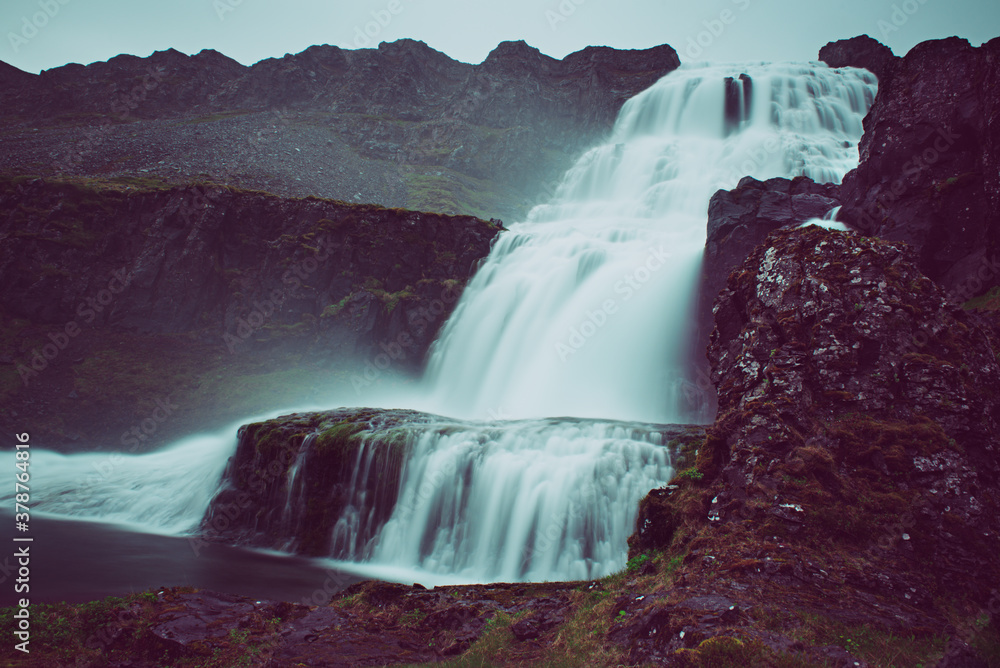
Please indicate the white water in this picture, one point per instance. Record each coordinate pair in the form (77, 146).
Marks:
(534, 500)
(582, 310)
(164, 492)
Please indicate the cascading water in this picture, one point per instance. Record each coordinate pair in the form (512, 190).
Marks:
(583, 309)
(580, 311)
(526, 500)
(163, 492)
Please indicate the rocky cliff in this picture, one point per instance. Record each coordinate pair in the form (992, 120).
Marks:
(852, 471)
(738, 221)
(400, 125)
(122, 291)
(929, 172)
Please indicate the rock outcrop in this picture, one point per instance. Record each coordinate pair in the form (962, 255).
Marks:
(233, 265)
(930, 163)
(738, 221)
(399, 125)
(292, 478)
(855, 452)
(861, 51)
(127, 274)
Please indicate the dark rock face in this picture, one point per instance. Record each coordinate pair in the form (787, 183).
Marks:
(741, 219)
(840, 324)
(234, 267)
(929, 172)
(292, 478)
(855, 452)
(738, 221)
(861, 51)
(820, 328)
(401, 124)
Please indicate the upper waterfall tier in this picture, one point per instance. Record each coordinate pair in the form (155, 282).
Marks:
(585, 308)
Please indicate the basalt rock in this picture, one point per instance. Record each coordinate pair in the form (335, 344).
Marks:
(929, 172)
(292, 479)
(837, 360)
(213, 292)
(853, 465)
(738, 221)
(861, 51)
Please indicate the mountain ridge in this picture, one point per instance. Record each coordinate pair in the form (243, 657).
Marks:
(399, 125)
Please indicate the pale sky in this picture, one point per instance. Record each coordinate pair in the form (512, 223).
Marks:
(40, 34)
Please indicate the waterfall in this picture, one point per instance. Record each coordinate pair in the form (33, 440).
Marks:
(575, 325)
(584, 308)
(532, 500)
(163, 492)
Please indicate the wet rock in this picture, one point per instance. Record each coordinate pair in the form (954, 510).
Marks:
(738, 221)
(929, 172)
(197, 619)
(853, 467)
(861, 51)
(546, 614)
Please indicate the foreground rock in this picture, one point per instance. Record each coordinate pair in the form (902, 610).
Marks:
(853, 470)
(369, 624)
(842, 511)
(930, 163)
(293, 477)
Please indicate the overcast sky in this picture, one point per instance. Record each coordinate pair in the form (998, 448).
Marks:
(39, 34)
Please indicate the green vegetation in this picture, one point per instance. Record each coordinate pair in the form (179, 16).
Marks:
(334, 309)
(446, 191)
(735, 652)
(868, 642)
(636, 562)
(342, 438)
(988, 301)
(691, 473)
